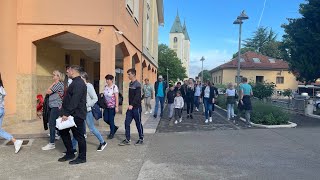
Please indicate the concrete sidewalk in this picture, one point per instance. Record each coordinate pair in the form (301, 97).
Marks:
(34, 128)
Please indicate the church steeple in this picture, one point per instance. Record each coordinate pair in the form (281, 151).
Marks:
(176, 27)
(185, 31)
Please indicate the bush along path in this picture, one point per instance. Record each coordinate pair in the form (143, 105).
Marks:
(219, 122)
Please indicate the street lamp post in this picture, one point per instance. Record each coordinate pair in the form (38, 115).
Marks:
(202, 59)
(239, 21)
(167, 75)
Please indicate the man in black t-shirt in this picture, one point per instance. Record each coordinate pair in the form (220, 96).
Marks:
(134, 109)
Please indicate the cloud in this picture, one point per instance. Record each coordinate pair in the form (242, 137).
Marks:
(213, 58)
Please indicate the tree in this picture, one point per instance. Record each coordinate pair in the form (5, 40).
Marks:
(301, 42)
(206, 75)
(263, 41)
(168, 59)
(262, 90)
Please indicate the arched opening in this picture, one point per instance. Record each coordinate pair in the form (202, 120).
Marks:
(65, 49)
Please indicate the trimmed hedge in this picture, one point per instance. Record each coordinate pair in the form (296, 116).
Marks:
(262, 113)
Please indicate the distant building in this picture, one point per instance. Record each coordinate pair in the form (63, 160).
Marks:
(257, 68)
(179, 41)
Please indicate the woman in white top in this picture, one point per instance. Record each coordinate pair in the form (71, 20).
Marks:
(231, 100)
(4, 134)
(111, 94)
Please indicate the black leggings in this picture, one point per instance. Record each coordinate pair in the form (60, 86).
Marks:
(190, 103)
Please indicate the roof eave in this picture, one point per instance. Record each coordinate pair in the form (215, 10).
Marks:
(160, 12)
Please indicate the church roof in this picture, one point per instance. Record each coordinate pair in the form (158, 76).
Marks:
(176, 27)
(185, 31)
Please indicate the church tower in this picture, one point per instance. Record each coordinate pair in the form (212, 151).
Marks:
(179, 41)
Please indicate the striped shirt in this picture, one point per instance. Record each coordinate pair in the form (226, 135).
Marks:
(55, 99)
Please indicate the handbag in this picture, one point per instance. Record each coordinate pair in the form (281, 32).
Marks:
(96, 111)
(102, 101)
(65, 124)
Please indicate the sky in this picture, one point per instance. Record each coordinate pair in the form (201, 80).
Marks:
(211, 29)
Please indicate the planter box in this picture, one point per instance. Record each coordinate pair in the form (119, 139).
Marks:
(290, 125)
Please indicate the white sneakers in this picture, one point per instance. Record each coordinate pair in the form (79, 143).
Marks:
(151, 111)
(17, 146)
(176, 122)
(146, 113)
(48, 147)
(208, 120)
(180, 120)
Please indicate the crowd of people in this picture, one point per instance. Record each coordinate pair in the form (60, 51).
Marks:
(190, 95)
(72, 94)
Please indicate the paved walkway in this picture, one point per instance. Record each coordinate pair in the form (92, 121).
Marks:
(219, 122)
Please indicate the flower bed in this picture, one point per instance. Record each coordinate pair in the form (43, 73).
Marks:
(263, 113)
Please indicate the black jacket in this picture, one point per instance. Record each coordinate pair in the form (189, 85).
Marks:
(213, 93)
(135, 94)
(74, 101)
(46, 112)
(190, 93)
(170, 96)
(156, 84)
(181, 90)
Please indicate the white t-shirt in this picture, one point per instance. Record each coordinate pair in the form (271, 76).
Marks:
(109, 91)
(207, 92)
(231, 92)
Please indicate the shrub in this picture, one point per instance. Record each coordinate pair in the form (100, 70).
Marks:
(262, 113)
(263, 90)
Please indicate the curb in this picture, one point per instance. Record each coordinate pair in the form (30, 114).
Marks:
(290, 125)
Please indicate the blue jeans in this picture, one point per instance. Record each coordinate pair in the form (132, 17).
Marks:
(54, 114)
(196, 101)
(136, 115)
(230, 110)
(90, 122)
(3, 134)
(161, 101)
(207, 107)
(108, 117)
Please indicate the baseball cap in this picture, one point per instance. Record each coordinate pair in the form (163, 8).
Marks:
(160, 77)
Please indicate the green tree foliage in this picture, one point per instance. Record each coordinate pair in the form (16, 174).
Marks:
(206, 75)
(301, 42)
(168, 59)
(287, 93)
(263, 41)
(262, 90)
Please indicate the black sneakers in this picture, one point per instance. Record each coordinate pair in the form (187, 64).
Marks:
(77, 161)
(191, 117)
(139, 142)
(66, 158)
(102, 146)
(125, 142)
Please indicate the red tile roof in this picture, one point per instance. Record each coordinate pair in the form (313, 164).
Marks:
(250, 64)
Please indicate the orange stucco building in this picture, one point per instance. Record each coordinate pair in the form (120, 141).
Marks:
(103, 36)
